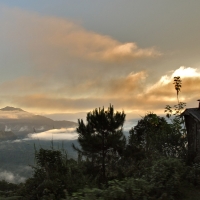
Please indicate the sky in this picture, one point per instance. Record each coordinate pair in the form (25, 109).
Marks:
(63, 59)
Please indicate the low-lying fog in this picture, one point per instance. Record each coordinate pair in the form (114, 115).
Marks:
(55, 134)
(17, 156)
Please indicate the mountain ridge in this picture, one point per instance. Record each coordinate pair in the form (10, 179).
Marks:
(9, 108)
(21, 122)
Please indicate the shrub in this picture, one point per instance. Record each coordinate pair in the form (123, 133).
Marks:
(166, 177)
(129, 188)
(193, 174)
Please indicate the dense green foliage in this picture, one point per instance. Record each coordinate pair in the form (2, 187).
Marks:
(178, 123)
(54, 175)
(8, 190)
(151, 165)
(153, 135)
(163, 181)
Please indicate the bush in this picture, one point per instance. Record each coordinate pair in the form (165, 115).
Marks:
(127, 189)
(166, 176)
(193, 174)
(53, 176)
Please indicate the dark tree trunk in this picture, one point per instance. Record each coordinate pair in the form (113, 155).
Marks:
(103, 158)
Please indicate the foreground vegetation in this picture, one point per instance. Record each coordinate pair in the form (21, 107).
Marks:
(151, 164)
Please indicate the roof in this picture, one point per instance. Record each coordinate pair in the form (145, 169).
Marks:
(195, 112)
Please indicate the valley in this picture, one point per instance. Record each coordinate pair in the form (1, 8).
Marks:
(20, 133)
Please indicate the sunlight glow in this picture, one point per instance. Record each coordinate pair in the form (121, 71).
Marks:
(182, 71)
(185, 72)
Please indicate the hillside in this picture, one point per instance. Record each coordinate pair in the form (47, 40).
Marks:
(7, 135)
(21, 122)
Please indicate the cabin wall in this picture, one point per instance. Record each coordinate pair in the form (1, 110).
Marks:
(192, 127)
(198, 139)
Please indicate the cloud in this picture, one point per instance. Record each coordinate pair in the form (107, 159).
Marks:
(189, 76)
(129, 92)
(71, 69)
(55, 134)
(11, 177)
(163, 92)
(126, 86)
(53, 41)
(68, 134)
(24, 84)
(58, 61)
(14, 114)
(128, 51)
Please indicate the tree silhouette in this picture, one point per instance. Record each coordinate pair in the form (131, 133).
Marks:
(150, 134)
(101, 136)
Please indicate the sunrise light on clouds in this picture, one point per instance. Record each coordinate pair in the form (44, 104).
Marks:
(64, 59)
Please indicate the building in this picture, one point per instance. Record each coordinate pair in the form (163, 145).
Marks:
(192, 122)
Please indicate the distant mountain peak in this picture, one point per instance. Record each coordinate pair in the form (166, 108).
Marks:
(8, 108)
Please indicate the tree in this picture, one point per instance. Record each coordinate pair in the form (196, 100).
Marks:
(154, 135)
(101, 136)
(53, 176)
(177, 120)
(150, 134)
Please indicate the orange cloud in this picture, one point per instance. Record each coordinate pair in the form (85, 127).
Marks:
(126, 86)
(71, 69)
(24, 84)
(128, 51)
(129, 93)
(53, 42)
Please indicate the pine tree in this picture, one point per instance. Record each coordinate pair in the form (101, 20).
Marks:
(101, 137)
